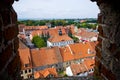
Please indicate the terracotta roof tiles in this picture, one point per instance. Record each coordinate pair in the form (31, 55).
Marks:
(66, 54)
(77, 51)
(86, 34)
(85, 66)
(35, 27)
(45, 56)
(24, 54)
(59, 38)
(46, 72)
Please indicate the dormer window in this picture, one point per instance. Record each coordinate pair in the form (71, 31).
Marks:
(60, 32)
(26, 65)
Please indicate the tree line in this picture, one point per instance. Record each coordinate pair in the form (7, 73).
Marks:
(61, 22)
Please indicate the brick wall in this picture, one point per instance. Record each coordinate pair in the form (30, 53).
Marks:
(9, 59)
(108, 49)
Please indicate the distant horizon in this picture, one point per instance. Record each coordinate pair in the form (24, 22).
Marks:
(55, 9)
(51, 18)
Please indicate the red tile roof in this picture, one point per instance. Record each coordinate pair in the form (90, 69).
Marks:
(66, 54)
(35, 27)
(24, 54)
(90, 63)
(38, 32)
(71, 27)
(78, 68)
(45, 56)
(52, 32)
(86, 34)
(59, 38)
(85, 66)
(46, 72)
(77, 51)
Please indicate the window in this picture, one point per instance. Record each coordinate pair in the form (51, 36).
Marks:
(25, 71)
(29, 70)
(92, 69)
(79, 60)
(78, 73)
(57, 44)
(67, 63)
(69, 41)
(89, 70)
(56, 65)
(21, 77)
(53, 44)
(30, 76)
(50, 76)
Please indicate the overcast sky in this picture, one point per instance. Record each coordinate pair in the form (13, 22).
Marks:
(44, 9)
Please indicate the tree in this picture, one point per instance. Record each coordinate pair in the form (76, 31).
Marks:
(45, 36)
(75, 39)
(38, 42)
(69, 32)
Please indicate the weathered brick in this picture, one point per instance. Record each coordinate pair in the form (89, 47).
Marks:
(9, 2)
(109, 18)
(97, 63)
(99, 18)
(100, 29)
(117, 55)
(97, 67)
(0, 22)
(107, 73)
(16, 41)
(100, 42)
(112, 47)
(6, 17)
(4, 57)
(13, 16)
(10, 33)
(1, 36)
(98, 53)
(1, 29)
(13, 65)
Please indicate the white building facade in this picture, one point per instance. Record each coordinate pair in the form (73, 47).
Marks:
(61, 43)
